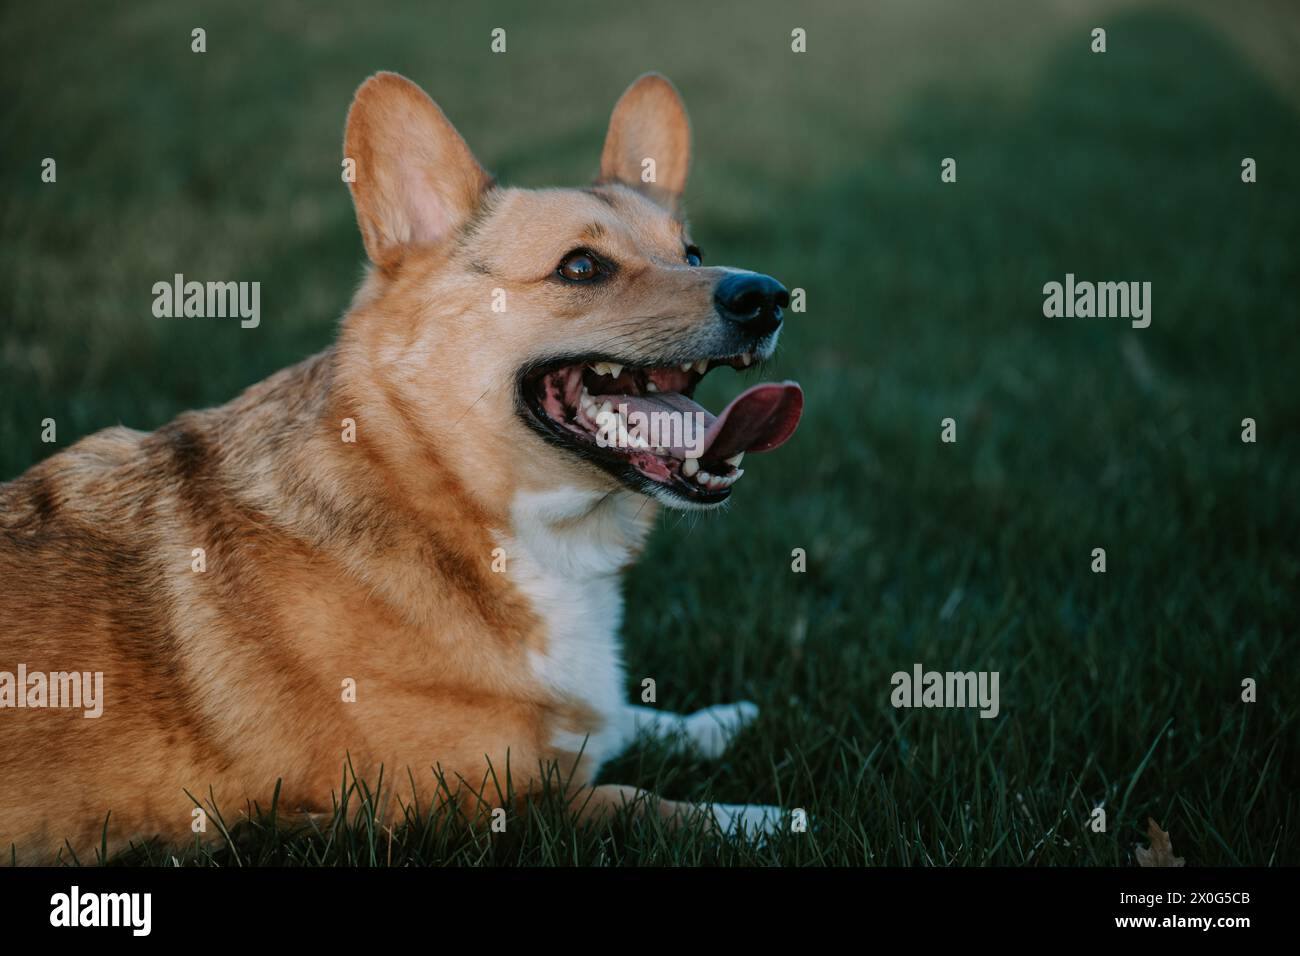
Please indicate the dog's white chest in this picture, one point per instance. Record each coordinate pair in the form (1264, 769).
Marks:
(565, 554)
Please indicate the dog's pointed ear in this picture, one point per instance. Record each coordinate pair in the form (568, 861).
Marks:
(414, 180)
(648, 146)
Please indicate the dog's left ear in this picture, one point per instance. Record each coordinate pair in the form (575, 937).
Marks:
(648, 146)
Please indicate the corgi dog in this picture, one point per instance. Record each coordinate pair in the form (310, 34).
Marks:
(404, 553)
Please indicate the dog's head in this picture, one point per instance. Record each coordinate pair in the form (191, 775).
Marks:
(555, 336)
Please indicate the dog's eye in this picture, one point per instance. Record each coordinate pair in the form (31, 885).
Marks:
(693, 256)
(579, 266)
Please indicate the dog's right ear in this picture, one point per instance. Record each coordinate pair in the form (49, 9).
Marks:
(415, 181)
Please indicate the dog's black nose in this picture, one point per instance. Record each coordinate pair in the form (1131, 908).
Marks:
(751, 300)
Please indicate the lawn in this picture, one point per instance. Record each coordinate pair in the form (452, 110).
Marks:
(1121, 690)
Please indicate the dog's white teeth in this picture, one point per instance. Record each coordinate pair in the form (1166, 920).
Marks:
(747, 358)
(615, 370)
(612, 369)
(716, 482)
(688, 366)
(702, 366)
(735, 460)
(651, 386)
(691, 469)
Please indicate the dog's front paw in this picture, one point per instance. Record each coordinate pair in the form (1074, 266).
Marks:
(753, 821)
(712, 729)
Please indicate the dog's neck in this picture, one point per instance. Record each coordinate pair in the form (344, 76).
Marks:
(581, 531)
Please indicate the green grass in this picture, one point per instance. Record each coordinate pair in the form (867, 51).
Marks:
(924, 302)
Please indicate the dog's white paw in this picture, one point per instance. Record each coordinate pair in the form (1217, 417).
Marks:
(711, 730)
(752, 820)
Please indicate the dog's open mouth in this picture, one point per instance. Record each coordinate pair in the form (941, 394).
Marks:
(641, 423)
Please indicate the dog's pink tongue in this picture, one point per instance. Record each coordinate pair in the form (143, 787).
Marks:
(758, 419)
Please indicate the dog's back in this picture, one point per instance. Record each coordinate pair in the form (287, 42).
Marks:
(98, 552)
(204, 570)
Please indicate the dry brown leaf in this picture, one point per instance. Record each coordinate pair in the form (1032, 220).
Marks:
(1161, 852)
